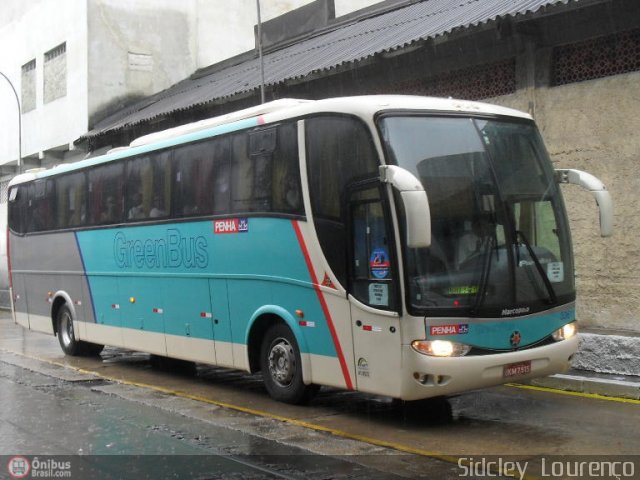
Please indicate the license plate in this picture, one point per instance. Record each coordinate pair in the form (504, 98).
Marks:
(517, 369)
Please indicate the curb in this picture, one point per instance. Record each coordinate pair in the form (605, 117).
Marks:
(609, 386)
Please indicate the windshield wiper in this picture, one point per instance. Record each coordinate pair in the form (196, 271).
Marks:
(539, 268)
(487, 255)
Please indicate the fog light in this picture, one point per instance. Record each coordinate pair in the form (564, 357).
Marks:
(440, 348)
(566, 332)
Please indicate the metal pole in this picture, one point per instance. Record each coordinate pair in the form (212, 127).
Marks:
(262, 97)
(19, 122)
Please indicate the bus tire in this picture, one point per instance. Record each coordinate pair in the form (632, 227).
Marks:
(281, 367)
(66, 334)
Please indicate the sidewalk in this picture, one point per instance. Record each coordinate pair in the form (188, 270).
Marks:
(583, 381)
(607, 363)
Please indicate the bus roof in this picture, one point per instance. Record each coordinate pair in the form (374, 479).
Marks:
(364, 106)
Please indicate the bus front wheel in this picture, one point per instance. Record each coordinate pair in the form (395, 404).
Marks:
(282, 368)
(66, 336)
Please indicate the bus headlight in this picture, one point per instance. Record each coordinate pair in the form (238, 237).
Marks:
(566, 332)
(440, 348)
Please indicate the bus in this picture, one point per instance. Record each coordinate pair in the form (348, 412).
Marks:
(403, 246)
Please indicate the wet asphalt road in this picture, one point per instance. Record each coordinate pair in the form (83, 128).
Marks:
(83, 420)
(119, 404)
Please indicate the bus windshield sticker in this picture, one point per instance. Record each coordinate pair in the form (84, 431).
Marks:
(379, 294)
(231, 225)
(326, 282)
(555, 272)
(379, 263)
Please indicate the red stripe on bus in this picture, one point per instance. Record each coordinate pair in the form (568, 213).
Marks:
(9, 260)
(323, 303)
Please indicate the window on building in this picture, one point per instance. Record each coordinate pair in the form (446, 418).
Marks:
(28, 84)
(596, 58)
(55, 73)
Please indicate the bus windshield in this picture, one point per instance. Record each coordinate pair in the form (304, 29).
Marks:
(500, 237)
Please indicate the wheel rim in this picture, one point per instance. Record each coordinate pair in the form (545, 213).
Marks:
(282, 362)
(66, 330)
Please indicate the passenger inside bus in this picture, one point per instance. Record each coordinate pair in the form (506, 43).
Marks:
(156, 208)
(137, 211)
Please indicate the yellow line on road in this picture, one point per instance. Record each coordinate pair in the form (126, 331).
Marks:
(594, 396)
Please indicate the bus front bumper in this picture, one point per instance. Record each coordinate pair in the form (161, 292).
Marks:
(428, 376)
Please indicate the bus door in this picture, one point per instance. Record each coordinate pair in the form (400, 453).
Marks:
(188, 320)
(221, 322)
(373, 295)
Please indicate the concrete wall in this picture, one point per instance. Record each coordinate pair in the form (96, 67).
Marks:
(225, 28)
(137, 48)
(593, 126)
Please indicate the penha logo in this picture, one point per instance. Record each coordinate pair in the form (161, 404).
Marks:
(231, 225)
(174, 250)
(19, 467)
(460, 329)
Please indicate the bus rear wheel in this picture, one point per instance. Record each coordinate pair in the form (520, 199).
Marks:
(282, 367)
(66, 336)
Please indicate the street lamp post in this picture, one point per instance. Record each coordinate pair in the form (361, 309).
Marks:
(260, 53)
(19, 122)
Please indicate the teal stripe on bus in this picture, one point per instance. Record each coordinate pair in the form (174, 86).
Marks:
(497, 334)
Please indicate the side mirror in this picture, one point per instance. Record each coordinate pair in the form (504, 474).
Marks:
(416, 204)
(599, 191)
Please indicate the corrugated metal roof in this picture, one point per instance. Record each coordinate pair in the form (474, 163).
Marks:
(351, 43)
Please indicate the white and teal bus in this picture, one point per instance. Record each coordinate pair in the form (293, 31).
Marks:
(404, 246)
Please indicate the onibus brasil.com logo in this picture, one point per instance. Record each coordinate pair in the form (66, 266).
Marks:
(20, 467)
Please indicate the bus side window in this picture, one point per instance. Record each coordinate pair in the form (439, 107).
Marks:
(221, 184)
(193, 172)
(340, 152)
(18, 198)
(372, 270)
(286, 186)
(242, 174)
(71, 205)
(148, 188)
(105, 194)
(41, 206)
(262, 144)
